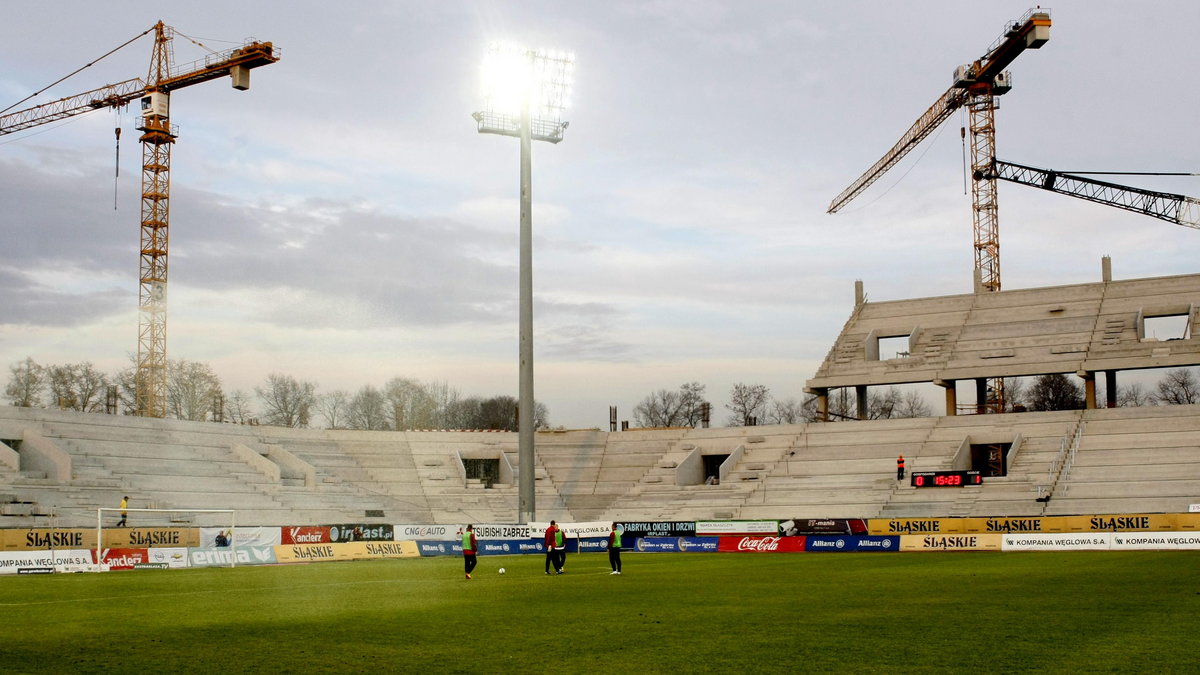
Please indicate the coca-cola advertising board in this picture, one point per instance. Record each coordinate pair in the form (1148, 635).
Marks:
(305, 535)
(761, 544)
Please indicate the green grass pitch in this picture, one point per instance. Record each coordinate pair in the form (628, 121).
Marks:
(1133, 612)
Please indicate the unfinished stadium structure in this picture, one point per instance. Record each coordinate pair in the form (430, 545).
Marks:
(59, 466)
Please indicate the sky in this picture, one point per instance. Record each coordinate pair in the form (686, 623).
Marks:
(343, 222)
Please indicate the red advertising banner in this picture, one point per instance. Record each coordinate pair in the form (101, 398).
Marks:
(761, 544)
(305, 535)
(121, 558)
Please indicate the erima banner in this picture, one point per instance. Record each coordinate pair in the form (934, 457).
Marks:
(223, 557)
(951, 542)
(720, 527)
(12, 562)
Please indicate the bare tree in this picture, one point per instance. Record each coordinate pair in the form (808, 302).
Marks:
(1016, 394)
(77, 386)
(659, 409)
(237, 407)
(411, 405)
(1135, 396)
(785, 411)
(192, 389)
(1179, 387)
(368, 410)
(747, 403)
(334, 407)
(287, 401)
(25, 386)
(912, 404)
(666, 408)
(1055, 392)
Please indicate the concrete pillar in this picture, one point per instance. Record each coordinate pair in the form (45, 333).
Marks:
(1106, 269)
(1089, 389)
(980, 395)
(822, 404)
(859, 295)
(860, 394)
(1110, 388)
(951, 388)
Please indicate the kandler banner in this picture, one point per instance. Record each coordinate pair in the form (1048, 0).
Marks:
(305, 535)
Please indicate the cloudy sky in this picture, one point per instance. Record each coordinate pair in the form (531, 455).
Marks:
(343, 221)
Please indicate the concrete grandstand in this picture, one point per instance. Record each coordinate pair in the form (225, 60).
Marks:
(59, 467)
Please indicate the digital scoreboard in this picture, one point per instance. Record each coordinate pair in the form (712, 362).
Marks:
(922, 479)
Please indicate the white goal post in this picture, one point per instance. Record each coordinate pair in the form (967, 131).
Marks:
(225, 519)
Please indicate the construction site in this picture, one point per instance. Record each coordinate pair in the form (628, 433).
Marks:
(57, 467)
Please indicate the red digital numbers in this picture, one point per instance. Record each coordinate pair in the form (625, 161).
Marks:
(919, 481)
(947, 481)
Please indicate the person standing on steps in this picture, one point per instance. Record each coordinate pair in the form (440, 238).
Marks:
(124, 512)
(900, 467)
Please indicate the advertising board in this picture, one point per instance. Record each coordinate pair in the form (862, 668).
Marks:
(20, 562)
(761, 544)
(852, 544)
(304, 534)
(658, 529)
(46, 538)
(951, 542)
(427, 532)
(223, 557)
(730, 527)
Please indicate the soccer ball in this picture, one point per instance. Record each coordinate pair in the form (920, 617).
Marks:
(501, 570)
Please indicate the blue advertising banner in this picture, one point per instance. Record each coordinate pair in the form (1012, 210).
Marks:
(589, 546)
(698, 545)
(676, 545)
(852, 544)
(428, 548)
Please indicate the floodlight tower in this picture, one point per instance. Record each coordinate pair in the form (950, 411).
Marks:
(525, 95)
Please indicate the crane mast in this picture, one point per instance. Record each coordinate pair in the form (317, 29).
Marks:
(975, 86)
(158, 135)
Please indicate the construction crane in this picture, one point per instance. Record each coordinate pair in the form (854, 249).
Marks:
(1173, 208)
(975, 87)
(158, 134)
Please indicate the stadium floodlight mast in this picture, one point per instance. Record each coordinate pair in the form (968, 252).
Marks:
(525, 95)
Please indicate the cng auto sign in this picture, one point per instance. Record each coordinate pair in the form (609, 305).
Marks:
(761, 544)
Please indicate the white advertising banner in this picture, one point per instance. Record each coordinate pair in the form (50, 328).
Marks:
(1133, 541)
(574, 530)
(499, 531)
(220, 537)
(23, 562)
(171, 557)
(1083, 541)
(414, 532)
(719, 527)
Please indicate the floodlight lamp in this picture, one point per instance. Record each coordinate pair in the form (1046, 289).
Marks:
(520, 83)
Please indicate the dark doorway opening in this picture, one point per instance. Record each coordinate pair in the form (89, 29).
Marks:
(990, 459)
(486, 470)
(712, 468)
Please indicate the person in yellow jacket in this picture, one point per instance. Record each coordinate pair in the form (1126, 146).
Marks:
(124, 513)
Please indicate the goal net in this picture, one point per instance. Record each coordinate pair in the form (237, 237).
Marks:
(118, 528)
